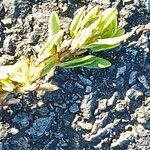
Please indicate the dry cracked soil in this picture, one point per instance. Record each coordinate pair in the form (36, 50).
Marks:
(107, 109)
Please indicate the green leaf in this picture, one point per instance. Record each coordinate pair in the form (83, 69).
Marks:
(111, 30)
(99, 63)
(107, 13)
(106, 19)
(54, 25)
(85, 36)
(115, 26)
(47, 68)
(119, 32)
(49, 48)
(93, 13)
(75, 25)
(108, 16)
(45, 46)
(97, 48)
(78, 62)
(114, 40)
(56, 40)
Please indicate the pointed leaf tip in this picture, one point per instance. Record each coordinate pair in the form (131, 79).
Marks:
(75, 25)
(99, 63)
(54, 25)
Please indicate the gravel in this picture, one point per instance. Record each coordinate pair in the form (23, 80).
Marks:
(93, 109)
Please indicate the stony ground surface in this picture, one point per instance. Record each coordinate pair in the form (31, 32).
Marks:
(93, 109)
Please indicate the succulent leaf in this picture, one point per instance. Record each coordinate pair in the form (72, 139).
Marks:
(99, 63)
(92, 14)
(85, 36)
(114, 40)
(108, 16)
(76, 23)
(54, 25)
(111, 30)
(50, 48)
(78, 62)
(47, 68)
(103, 47)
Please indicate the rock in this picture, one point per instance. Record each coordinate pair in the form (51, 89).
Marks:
(43, 111)
(87, 106)
(102, 143)
(18, 8)
(22, 119)
(143, 80)
(37, 1)
(3, 130)
(142, 115)
(85, 80)
(2, 11)
(76, 98)
(74, 108)
(121, 106)
(66, 123)
(132, 77)
(16, 143)
(33, 38)
(134, 98)
(78, 85)
(84, 125)
(40, 126)
(113, 99)
(121, 71)
(88, 89)
(119, 83)
(13, 131)
(137, 2)
(5, 59)
(124, 139)
(127, 2)
(7, 22)
(1, 145)
(102, 131)
(100, 121)
(102, 104)
(79, 123)
(1, 34)
(28, 24)
(134, 93)
(50, 145)
(1, 41)
(65, 7)
(147, 3)
(9, 46)
(104, 3)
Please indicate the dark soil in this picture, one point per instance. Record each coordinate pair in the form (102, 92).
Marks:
(93, 109)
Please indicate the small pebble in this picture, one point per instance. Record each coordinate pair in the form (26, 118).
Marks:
(74, 108)
(14, 131)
